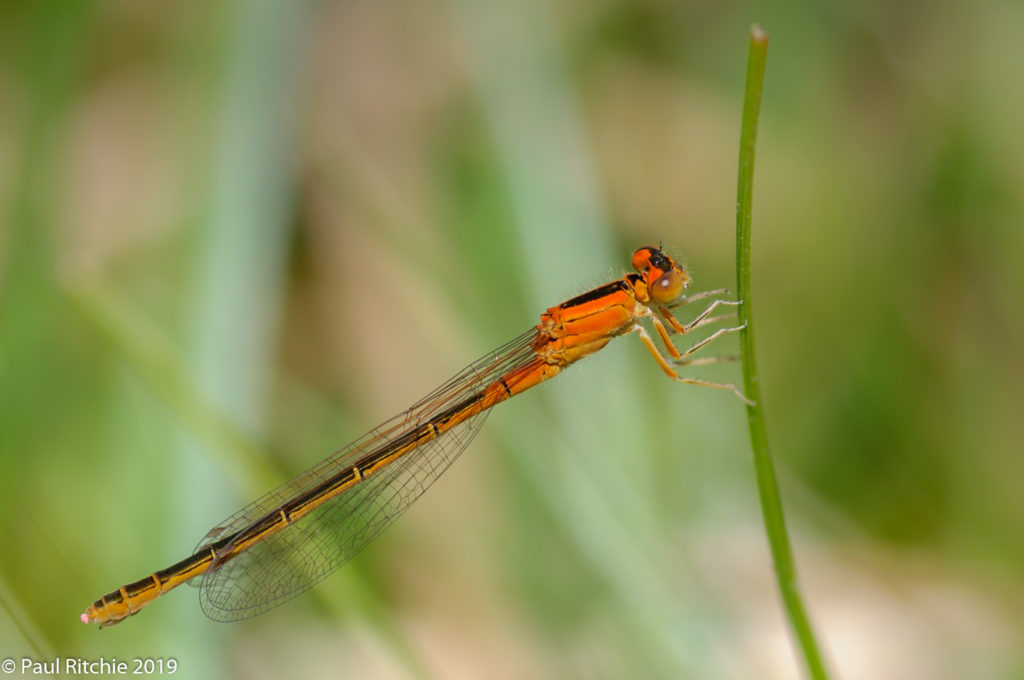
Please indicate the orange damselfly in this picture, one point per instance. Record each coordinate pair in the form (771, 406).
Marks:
(293, 537)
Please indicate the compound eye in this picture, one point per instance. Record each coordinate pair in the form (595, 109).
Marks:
(669, 286)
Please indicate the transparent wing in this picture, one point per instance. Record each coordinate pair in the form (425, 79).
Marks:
(295, 559)
(299, 556)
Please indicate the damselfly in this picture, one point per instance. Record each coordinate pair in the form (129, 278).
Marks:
(293, 537)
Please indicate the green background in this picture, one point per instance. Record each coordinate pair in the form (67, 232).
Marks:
(235, 237)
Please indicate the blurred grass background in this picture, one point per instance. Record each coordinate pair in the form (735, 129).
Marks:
(234, 237)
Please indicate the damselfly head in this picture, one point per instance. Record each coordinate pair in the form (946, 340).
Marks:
(665, 279)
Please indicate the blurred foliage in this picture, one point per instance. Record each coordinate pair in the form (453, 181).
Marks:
(234, 237)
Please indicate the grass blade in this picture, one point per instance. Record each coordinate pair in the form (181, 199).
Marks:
(768, 488)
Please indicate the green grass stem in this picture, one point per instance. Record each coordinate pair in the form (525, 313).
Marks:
(768, 488)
